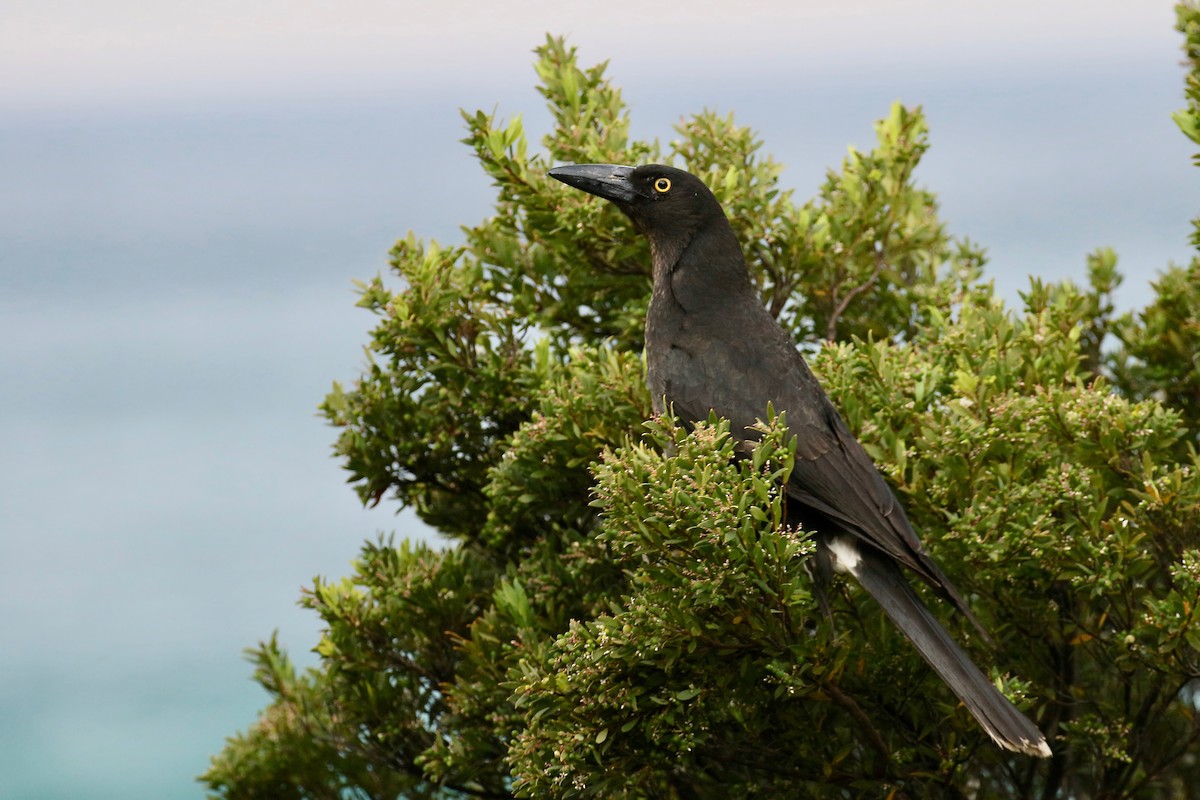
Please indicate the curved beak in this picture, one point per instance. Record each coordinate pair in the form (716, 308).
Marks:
(610, 181)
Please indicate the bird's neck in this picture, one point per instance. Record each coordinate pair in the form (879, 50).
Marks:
(702, 271)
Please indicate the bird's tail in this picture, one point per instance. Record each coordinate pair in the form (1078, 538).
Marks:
(999, 718)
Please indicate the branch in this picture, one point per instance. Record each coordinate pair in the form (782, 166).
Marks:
(831, 328)
(847, 702)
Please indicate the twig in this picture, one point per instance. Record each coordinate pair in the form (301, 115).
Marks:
(831, 328)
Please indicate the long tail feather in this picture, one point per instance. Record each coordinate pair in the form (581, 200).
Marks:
(883, 580)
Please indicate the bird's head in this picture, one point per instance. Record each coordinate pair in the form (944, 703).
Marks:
(693, 246)
(666, 204)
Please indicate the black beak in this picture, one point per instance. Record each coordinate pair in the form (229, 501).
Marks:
(610, 181)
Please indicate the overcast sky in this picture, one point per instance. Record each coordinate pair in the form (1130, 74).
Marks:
(87, 52)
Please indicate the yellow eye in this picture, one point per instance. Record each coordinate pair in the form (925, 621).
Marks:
(662, 186)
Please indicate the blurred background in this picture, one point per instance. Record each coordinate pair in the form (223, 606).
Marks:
(189, 190)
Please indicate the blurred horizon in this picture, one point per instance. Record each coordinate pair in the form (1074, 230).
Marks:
(193, 190)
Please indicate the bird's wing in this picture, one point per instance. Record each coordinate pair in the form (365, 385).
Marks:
(756, 363)
(751, 362)
(834, 475)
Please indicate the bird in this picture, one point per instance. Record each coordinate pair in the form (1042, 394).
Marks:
(712, 347)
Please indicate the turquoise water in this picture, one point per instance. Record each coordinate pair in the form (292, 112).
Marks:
(89, 733)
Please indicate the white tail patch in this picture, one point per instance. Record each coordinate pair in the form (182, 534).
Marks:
(844, 553)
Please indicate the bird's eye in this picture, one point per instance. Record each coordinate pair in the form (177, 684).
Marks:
(662, 185)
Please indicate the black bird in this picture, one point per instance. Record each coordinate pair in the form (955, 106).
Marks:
(711, 345)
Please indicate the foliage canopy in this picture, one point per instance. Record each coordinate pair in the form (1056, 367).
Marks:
(624, 610)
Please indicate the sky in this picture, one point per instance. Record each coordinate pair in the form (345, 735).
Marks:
(190, 190)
